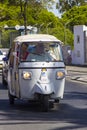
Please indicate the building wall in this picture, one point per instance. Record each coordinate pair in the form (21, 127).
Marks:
(78, 54)
(85, 46)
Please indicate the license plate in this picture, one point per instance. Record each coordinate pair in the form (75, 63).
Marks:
(43, 78)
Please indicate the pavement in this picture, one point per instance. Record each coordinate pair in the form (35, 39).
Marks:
(78, 73)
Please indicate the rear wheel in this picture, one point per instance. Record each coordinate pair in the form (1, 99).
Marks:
(11, 98)
(4, 81)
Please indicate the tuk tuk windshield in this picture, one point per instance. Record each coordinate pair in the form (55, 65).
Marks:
(37, 52)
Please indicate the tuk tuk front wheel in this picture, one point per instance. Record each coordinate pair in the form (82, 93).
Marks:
(45, 103)
(11, 98)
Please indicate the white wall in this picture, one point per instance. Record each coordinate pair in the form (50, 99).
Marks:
(78, 52)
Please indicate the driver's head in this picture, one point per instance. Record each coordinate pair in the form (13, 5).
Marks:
(40, 48)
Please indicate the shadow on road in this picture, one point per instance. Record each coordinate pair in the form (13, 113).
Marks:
(23, 112)
(2, 86)
(27, 113)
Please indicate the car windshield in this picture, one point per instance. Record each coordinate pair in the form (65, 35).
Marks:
(40, 52)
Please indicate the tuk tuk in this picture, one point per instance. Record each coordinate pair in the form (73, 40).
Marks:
(36, 69)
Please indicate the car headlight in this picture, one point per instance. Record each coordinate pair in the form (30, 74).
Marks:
(60, 75)
(27, 75)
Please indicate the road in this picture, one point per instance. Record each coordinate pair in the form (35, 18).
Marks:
(70, 114)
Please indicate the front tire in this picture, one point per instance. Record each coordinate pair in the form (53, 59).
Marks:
(45, 103)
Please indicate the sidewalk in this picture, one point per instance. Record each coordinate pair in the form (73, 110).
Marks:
(78, 73)
(77, 68)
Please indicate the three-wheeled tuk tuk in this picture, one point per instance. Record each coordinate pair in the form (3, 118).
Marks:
(36, 69)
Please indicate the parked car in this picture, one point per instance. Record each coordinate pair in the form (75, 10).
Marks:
(5, 69)
(2, 55)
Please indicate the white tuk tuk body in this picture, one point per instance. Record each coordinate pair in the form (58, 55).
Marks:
(41, 73)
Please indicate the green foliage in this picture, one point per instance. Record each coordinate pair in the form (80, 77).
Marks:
(59, 32)
(12, 15)
(5, 39)
(76, 16)
(9, 15)
(65, 5)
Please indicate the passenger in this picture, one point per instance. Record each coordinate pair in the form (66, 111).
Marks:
(24, 52)
(35, 51)
(40, 49)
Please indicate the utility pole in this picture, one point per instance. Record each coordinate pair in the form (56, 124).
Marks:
(23, 7)
(25, 16)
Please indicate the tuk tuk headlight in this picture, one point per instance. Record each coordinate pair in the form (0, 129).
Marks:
(26, 75)
(60, 75)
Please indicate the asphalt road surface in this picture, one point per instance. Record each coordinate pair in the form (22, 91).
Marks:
(71, 113)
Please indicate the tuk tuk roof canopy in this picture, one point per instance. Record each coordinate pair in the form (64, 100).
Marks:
(37, 38)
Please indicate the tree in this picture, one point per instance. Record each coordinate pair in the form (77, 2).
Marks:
(65, 5)
(44, 3)
(76, 16)
(12, 15)
(3, 1)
